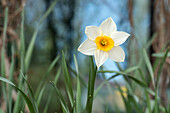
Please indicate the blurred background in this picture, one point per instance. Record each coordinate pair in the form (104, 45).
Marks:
(64, 29)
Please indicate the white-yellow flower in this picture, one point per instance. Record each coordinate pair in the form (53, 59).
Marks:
(103, 42)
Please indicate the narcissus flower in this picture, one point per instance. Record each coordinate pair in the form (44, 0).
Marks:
(103, 42)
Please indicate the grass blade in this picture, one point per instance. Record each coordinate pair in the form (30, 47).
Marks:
(156, 108)
(146, 93)
(30, 92)
(22, 43)
(62, 101)
(107, 71)
(67, 80)
(40, 95)
(160, 55)
(27, 100)
(132, 100)
(161, 66)
(149, 42)
(99, 88)
(31, 45)
(121, 72)
(132, 69)
(11, 78)
(149, 66)
(41, 85)
(50, 95)
(126, 102)
(78, 95)
(82, 81)
(107, 108)
(3, 56)
(20, 102)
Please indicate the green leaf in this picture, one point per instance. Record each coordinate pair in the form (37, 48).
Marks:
(42, 83)
(82, 81)
(3, 55)
(149, 42)
(140, 83)
(160, 55)
(117, 109)
(161, 66)
(137, 81)
(146, 91)
(131, 99)
(99, 88)
(113, 76)
(126, 102)
(27, 100)
(78, 95)
(11, 74)
(50, 94)
(125, 74)
(22, 43)
(152, 103)
(119, 67)
(107, 108)
(67, 80)
(131, 69)
(31, 94)
(31, 45)
(156, 108)
(1, 111)
(76, 65)
(149, 66)
(48, 101)
(40, 95)
(20, 102)
(118, 72)
(61, 99)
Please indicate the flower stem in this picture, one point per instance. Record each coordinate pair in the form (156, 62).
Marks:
(91, 84)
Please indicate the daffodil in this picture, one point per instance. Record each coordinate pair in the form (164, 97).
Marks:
(103, 42)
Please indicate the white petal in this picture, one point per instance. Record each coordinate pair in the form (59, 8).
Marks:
(108, 26)
(119, 37)
(92, 32)
(117, 54)
(88, 47)
(100, 57)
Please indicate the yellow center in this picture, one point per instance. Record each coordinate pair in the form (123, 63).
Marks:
(104, 43)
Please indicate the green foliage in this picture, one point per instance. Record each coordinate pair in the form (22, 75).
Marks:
(3, 55)
(78, 95)
(31, 45)
(149, 66)
(27, 100)
(135, 80)
(91, 83)
(67, 80)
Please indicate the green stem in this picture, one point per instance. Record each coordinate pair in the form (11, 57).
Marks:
(91, 84)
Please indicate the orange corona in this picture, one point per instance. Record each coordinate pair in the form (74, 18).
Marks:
(104, 43)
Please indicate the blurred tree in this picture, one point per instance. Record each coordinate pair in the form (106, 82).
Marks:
(61, 27)
(160, 24)
(52, 31)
